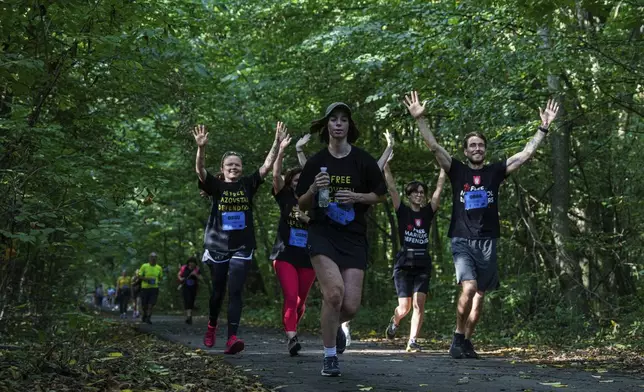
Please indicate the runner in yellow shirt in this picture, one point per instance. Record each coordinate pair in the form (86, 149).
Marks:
(150, 273)
(123, 293)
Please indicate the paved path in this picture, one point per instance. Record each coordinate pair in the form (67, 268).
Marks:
(368, 366)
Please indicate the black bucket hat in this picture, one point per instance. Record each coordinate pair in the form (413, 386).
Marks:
(319, 126)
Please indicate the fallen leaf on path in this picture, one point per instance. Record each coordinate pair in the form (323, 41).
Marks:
(601, 370)
(606, 380)
(554, 384)
(366, 388)
(423, 385)
(115, 355)
(463, 380)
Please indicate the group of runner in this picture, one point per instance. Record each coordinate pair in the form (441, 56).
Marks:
(142, 289)
(321, 232)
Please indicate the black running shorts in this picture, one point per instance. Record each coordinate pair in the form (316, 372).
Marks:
(347, 250)
(410, 281)
(149, 296)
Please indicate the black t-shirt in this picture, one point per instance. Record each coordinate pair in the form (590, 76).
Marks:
(475, 195)
(230, 225)
(357, 172)
(413, 226)
(292, 234)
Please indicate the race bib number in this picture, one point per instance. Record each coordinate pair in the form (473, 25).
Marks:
(152, 281)
(190, 282)
(233, 220)
(341, 213)
(475, 199)
(298, 237)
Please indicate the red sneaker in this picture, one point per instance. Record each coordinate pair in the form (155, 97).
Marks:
(209, 338)
(234, 345)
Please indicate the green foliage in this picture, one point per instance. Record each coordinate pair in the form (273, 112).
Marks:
(96, 160)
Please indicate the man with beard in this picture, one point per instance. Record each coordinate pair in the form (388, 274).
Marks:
(474, 227)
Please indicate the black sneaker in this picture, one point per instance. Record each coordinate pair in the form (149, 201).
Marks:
(390, 332)
(331, 367)
(340, 341)
(468, 350)
(148, 320)
(413, 347)
(294, 346)
(189, 320)
(456, 349)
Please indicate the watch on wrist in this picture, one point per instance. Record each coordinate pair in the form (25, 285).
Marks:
(543, 129)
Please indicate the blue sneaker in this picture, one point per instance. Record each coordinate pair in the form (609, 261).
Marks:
(331, 367)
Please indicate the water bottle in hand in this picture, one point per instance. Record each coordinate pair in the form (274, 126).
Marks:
(323, 193)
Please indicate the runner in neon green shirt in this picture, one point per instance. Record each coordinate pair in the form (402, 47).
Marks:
(150, 274)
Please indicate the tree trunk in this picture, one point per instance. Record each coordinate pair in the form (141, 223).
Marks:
(569, 271)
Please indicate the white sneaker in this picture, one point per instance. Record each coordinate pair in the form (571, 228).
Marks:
(347, 332)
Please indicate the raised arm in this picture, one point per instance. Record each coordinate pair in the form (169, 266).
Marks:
(547, 116)
(278, 181)
(201, 137)
(301, 157)
(280, 133)
(418, 112)
(436, 197)
(391, 186)
(384, 158)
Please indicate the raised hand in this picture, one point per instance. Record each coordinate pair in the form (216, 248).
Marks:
(303, 140)
(548, 115)
(285, 142)
(390, 139)
(201, 136)
(413, 105)
(280, 131)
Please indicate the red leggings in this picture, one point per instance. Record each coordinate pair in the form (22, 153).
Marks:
(296, 283)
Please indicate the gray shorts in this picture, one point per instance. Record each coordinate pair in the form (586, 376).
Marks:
(476, 260)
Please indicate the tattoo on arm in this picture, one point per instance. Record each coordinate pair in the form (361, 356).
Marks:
(270, 158)
(515, 161)
(443, 158)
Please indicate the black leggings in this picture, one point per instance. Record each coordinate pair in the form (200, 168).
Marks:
(189, 296)
(124, 300)
(237, 269)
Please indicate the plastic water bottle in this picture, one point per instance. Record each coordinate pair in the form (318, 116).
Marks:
(323, 193)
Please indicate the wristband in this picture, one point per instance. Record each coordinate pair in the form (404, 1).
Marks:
(543, 129)
(296, 150)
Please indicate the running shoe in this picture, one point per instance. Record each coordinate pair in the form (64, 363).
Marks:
(294, 346)
(209, 338)
(340, 341)
(413, 347)
(234, 345)
(456, 349)
(331, 367)
(390, 332)
(468, 350)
